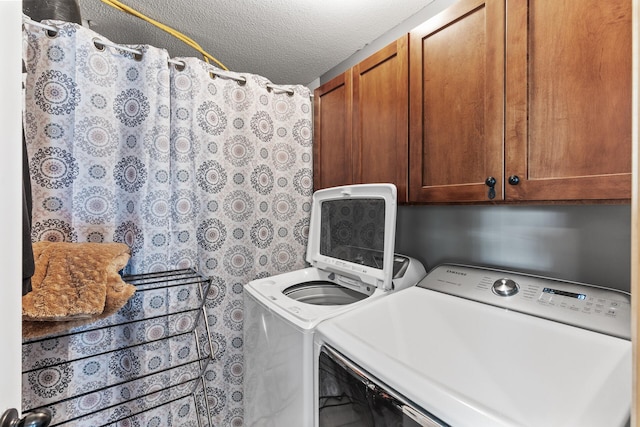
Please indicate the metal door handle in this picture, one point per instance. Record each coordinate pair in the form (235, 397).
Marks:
(38, 418)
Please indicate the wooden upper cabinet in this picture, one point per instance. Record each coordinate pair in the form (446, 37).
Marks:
(361, 123)
(534, 94)
(332, 157)
(380, 117)
(456, 104)
(568, 99)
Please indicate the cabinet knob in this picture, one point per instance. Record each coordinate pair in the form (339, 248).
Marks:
(514, 180)
(491, 183)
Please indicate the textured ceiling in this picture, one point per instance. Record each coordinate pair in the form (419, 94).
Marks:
(286, 41)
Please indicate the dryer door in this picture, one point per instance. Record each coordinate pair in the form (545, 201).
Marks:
(350, 396)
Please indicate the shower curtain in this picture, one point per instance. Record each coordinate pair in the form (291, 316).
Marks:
(189, 166)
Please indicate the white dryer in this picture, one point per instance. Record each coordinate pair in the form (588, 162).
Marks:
(479, 347)
(351, 253)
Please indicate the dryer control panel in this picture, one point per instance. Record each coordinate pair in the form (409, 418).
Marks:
(586, 306)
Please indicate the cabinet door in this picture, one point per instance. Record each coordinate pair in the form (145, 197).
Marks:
(380, 117)
(568, 88)
(456, 103)
(332, 157)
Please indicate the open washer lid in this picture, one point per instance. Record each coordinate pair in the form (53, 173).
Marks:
(352, 232)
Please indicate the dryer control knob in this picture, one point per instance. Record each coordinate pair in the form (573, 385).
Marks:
(505, 287)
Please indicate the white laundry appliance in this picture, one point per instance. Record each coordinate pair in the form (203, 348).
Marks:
(476, 347)
(351, 253)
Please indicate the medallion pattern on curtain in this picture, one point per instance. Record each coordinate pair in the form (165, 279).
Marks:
(187, 168)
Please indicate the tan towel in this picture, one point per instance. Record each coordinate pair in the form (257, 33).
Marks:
(74, 284)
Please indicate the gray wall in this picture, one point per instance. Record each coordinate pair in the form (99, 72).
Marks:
(584, 243)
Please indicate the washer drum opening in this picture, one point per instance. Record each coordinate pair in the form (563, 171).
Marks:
(323, 292)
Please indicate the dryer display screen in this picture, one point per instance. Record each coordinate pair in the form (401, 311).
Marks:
(353, 230)
(564, 293)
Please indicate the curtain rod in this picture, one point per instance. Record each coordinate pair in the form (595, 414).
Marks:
(138, 55)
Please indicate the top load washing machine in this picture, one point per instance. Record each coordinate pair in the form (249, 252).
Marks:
(351, 253)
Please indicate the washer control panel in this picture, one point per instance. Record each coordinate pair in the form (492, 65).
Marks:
(586, 306)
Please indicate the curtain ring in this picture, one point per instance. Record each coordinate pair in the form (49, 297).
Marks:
(241, 80)
(97, 43)
(273, 88)
(50, 30)
(178, 65)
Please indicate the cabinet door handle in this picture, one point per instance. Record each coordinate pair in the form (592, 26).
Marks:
(491, 183)
(514, 180)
